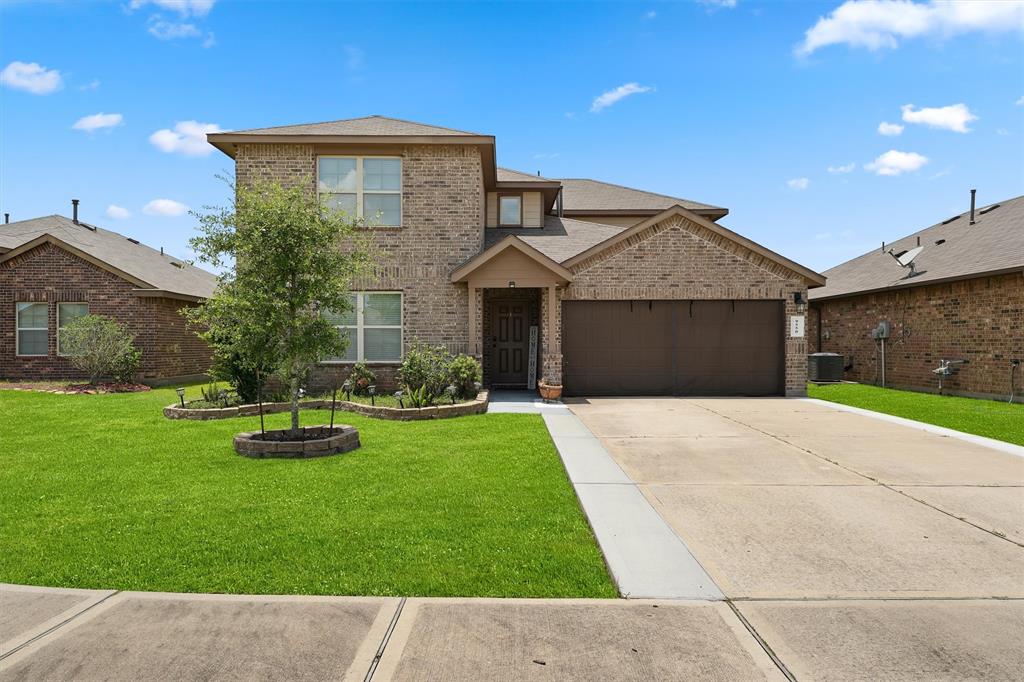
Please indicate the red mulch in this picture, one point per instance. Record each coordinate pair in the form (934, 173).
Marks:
(58, 387)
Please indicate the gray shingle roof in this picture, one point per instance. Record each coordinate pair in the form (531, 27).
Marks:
(509, 175)
(994, 243)
(582, 194)
(160, 271)
(366, 125)
(560, 239)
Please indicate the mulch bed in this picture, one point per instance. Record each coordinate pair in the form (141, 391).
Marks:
(89, 389)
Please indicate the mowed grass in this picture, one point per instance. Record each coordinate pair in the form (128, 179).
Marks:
(101, 491)
(993, 419)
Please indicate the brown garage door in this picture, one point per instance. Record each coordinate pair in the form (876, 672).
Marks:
(673, 347)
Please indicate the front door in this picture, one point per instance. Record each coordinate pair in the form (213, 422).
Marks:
(510, 343)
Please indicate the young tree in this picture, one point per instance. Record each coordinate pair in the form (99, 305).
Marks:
(289, 259)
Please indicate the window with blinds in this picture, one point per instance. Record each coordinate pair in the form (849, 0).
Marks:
(372, 326)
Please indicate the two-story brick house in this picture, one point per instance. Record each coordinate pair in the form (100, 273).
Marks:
(604, 288)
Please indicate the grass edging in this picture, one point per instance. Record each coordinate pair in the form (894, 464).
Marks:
(476, 406)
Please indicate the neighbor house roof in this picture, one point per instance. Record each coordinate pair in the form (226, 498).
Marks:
(509, 175)
(150, 270)
(584, 196)
(953, 249)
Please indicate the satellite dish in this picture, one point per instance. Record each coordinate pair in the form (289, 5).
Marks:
(906, 259)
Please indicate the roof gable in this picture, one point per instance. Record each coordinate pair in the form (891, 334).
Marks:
(811, 277)
(523, 259)
(583, 195)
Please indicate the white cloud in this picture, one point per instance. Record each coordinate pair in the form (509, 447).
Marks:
(94, 84)
(353, 57)
(551, 155)
(609, 98)
(165, 207)
(31, 77)
(889, 129)
(878, 24)
(91, 124)
(719, 3)
(170, 30)
(199, 8)
(955, 117)
(839, 170)
(650, 14)
(821, 236)
(188, 138)
(570, 114)
(1002, 131)
(895, 162)
(210, 40)
(798, 183)
(1020, 102)
(118, 212)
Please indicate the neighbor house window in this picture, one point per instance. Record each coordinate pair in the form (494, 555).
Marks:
(363, 187)
(33, 332)
(373, 327)
(510, 210)
(66, 314)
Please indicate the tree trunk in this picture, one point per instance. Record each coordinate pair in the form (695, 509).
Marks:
(295, 401)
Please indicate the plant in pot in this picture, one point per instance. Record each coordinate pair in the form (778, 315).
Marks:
(285, 276)
(549, 390)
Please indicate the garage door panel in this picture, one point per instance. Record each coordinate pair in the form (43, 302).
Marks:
(673, 347)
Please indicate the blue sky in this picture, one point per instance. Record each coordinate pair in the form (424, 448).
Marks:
(741, 104)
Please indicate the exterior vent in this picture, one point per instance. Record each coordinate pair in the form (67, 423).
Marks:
(178, 265)
(133, 241)
(940, 242)
(947, 221)
(989, 209)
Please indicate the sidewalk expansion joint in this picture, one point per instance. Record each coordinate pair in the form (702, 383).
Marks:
(384, 641)
(59, 625)
(761, 641)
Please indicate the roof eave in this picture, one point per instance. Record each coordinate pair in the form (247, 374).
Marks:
(462, 273)
(913, 284)
(168, 293)
(715, 213)
(228, 142)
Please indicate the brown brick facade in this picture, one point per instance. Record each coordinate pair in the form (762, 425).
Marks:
(50, 274)
(979, 320)
(679, 259)
(442, 227)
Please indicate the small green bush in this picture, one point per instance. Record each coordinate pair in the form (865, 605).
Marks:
(361, 377)
(229, 366)
(101, 347)
(464, 372)
(425, 367)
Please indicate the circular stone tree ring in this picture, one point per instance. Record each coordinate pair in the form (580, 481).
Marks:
(316, 441)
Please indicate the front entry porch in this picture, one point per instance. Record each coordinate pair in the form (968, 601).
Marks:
(514, 314)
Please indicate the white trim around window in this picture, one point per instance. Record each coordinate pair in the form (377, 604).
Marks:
(61, 323)
(374, 326)
(351, 184)
(32, 328)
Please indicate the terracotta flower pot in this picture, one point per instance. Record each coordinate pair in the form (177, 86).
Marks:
(550, 391)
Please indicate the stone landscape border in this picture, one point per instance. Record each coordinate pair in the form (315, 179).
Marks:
(476, 406)
(325, 441)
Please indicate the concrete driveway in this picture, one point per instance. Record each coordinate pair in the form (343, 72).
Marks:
(854, 547)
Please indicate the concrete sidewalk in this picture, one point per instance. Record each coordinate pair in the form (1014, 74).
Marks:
(82, 634)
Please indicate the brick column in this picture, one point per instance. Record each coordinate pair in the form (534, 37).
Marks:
(551, 339)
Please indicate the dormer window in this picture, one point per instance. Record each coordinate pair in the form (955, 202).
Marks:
(510, 210)
(367, 187)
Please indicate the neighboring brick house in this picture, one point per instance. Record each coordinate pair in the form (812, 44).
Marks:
(54, 269)
(962, 300)
(604, 288)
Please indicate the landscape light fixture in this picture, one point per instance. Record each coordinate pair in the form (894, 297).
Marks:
(347, 387)
(451, 391)
(181, 395)
(398, 396)
(372, 390)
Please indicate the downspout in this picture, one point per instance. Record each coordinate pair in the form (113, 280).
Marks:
(883, 361)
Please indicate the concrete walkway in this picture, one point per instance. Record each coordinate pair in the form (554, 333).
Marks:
(53, 634)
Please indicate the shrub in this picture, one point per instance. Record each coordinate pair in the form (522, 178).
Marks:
(361, 377)
(464, 372)
(101, 347)
(228, 365)
(425, 367)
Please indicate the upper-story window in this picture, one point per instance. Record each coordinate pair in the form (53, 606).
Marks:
(510, 210)
(368, 187)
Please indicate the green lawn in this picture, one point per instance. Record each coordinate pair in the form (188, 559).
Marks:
(101, 491)
(1000, 420)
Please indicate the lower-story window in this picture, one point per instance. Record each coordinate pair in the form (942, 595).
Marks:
(33, 333)
(66, 314)
(373, 326)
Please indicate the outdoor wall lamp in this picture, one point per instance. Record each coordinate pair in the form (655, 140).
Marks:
(181, 395)
(511, 284)
(798, 299)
